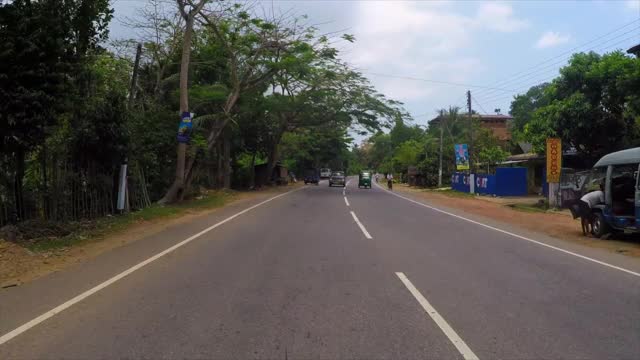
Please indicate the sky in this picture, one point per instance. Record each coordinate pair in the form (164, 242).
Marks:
(427, 54)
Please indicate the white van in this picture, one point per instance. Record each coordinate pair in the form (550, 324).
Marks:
(325, 173)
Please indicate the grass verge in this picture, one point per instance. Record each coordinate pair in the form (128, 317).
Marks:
(451, 192)
(94, 230)
(527, 208)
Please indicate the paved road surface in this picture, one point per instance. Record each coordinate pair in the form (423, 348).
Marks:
(314, 274)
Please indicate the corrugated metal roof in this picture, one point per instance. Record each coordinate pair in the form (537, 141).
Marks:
(629, 156)
(527, 156)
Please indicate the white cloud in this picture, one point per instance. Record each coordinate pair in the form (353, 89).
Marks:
(551, 39)
(422, 40)
(633, 4)
(499, 17)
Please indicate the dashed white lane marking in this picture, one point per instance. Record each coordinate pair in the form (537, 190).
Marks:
(346, 201)
(364, 231)
(19, 330)
(439, 320)
(517, 236)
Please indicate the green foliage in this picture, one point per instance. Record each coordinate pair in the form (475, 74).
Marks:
(492, 155)
(406, 154)
(592, 106)
(524, 105)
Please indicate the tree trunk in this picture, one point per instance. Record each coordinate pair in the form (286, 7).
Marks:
(45, 185)
(17, 187)
(252, 171)
(188, 176)
(175, 191)
(226, 160)
(272, 160)
(219, 169)
(216, 132)
(274, 155)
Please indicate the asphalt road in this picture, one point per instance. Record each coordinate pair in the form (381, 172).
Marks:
(314, 274)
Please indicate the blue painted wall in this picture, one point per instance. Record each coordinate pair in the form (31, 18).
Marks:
(460, 182)
(510, 181)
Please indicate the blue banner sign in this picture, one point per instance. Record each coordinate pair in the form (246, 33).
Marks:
(185, 128)
(462, 156)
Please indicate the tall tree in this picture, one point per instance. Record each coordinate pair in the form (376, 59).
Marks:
(593, 105)
(524, 105)
(189, 11)
(42, 46)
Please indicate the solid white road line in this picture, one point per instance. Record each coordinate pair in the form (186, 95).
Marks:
(19, 330)
(439, 320)
(346, 201)
(518, 236)
(364, 231)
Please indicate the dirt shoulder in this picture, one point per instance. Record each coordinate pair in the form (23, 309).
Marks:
(27, 260)
(559, 225)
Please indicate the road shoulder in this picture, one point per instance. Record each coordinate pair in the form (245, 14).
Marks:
(521, 223)
(22, 264)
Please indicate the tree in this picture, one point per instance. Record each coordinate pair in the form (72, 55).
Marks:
(492, 155)
(407, 155)
(188, 11)
(524, 105)
(593, 106)
(42, 46)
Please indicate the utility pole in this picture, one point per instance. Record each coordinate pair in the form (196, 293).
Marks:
(134, 76)
(470, 132)
(441, 135)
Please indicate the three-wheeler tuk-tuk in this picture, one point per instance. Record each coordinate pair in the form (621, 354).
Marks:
(621, 209)
(364, 180)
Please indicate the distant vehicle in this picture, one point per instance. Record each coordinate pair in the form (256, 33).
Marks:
(337, 178)
(621, 209)
(364, 180)
(325, 173)
(311, 176)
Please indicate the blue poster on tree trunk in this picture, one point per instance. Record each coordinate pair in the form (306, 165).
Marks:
(185, 127)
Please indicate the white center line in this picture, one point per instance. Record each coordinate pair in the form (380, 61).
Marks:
(345, 187)
(517, 236)
(364, 231)
(439, 320)
(346, 201)
(19, 330)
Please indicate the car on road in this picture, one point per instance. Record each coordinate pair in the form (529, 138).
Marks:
(311, 177)
(337, 178)
(364, 180)
(325, 173)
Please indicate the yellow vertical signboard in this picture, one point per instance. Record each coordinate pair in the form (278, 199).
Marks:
(554, 160)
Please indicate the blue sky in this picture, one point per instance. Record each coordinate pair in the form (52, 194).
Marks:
(479, 43)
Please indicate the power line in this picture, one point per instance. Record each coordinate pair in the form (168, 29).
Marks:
(528, 82)
(436, 81)
(553, 65)
(480, 106)
(571, 50)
